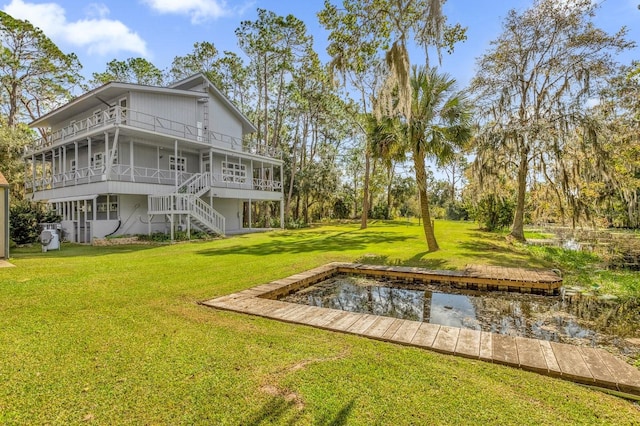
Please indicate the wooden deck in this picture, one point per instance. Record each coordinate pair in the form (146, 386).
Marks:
(589, 366)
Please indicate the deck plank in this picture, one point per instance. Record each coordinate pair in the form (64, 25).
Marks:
(446, 339)
(343, 323)
(530, 355)
(550, 358)
(626, 376)
(407, 330)
(505, 350)
(571, 363)
(425, 335)
(379, 327)
(486, 346)
(360, 326)
(395, 325)
(599, 370)
(468, 344)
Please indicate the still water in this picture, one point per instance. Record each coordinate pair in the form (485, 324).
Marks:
(584, 321)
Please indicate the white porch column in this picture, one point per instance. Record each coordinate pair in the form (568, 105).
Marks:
(33, 170)
(88, 153)
(105, 161)
(53, 164)
(158, 163)
(64, 165)
(133, 178)
(282, 213)
(175, 167)
(75, 156)
(250, 214)
(44, 170)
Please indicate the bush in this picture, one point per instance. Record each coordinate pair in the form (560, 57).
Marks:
(24, 217)
(381, 212)
(493, 212)
(341, 210)
(457, 211)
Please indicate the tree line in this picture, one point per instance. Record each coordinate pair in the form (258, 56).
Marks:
(547, 131)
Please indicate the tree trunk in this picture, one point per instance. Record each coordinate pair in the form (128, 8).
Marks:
(421, 180)
(365, 195)
(390, 176)
(517, 231)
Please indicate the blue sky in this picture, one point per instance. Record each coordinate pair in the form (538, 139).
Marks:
(159, 30)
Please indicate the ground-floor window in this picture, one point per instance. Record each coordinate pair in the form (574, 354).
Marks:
(107, 207)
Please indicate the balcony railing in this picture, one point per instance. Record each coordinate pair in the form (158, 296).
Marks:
(126, 173)
(140, 120)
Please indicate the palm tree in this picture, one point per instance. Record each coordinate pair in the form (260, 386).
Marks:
(439, 126)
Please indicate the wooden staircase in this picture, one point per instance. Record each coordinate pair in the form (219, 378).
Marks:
(186, 200)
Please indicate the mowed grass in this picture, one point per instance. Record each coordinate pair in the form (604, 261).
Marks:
(116, 336)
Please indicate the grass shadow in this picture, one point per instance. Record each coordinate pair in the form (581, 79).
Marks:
(417, 260)
(74, 250)
(278, 410)
(311, 242)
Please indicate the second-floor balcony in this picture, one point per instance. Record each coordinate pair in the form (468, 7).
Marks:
(146, 122)
(126, 173)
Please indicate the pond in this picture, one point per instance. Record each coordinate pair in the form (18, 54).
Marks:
(590, 321)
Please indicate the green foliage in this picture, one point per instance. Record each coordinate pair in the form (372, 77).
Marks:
(13, 141)
(493, 212)
(35, 75)
(24, 217)
(340, 209)
(457, 211)
(380, 211)
(133, 70)
(532, 111)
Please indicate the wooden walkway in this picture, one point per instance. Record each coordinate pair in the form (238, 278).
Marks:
(589, 366)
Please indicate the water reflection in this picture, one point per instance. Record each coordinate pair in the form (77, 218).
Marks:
(585, 321)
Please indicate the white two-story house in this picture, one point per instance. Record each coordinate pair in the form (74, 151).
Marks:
(128, 159)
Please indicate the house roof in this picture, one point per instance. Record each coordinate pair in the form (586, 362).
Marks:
(99, 96)
(3, 181)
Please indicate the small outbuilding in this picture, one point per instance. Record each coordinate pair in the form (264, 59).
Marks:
(4, 218)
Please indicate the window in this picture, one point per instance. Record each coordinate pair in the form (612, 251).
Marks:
(97, 161)
(177, 163)
(72, 166)
(234, 172)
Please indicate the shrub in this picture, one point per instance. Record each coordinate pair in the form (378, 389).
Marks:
(380, 211)
(493, 212)
(24, 217)
(341, 210)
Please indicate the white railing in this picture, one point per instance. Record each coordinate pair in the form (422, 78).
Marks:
(207, 215)
(197, 184)
(174, 203)
(152, 123)
(267, 185)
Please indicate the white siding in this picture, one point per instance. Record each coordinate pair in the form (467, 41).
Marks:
(223, 121)
(231, 210)
(181, 109)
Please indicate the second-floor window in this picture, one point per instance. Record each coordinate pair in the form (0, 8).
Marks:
(177, 163)
(234, 172)
(97, 161)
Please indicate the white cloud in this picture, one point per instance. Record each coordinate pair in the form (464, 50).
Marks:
(96, 33)
(198, 10)
(97, 10)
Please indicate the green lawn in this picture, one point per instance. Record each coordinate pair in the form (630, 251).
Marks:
(115, 336)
